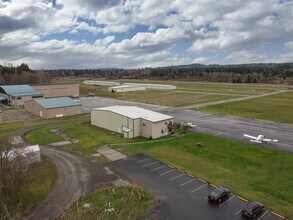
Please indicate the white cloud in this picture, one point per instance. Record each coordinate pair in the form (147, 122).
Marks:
(237, 28)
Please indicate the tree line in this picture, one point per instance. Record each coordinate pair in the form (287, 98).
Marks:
(22, 74)
(242, 73)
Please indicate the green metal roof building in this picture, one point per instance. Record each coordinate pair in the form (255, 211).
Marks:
(19, 90)
(16, 95)
(53, 107)
(57, 102)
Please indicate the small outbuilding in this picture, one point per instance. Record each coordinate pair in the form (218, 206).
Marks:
(53, 107)
(132, 121)
(29, 154)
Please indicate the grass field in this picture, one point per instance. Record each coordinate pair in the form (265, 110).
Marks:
(128, 203)
(251, 171)
(277, 108)
(7, 128)
(89, 136)
(37, 183)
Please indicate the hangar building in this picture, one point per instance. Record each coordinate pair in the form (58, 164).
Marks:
(132, 121)
(100, 83)
(58, 90)
(17, 94)
(53, 107)
(127, 88)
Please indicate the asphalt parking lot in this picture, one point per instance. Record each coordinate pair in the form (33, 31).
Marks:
(183, 196)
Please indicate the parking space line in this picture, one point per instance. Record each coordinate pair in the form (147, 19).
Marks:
(162, 174)
(199, 187)
(177, 177)
(245, 200)
(263, 215)
(159, 167)
(278, 215)
(202, 180)
(238, 212)
(150, 164)
(227, 201)
(189, 181)
(143, 160)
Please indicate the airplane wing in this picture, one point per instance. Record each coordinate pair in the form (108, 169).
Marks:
(254, 141)
(269, 140)
(249, 136)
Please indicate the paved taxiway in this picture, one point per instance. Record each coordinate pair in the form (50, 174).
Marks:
(219, 125)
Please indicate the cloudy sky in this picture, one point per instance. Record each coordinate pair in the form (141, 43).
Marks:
(143, 33)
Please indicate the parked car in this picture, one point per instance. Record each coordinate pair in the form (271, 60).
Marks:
(219, 194)
(91, 94)
(75, 96)
(252, 209)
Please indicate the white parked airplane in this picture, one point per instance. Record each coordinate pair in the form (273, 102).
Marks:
(259, 139)
(191, 125)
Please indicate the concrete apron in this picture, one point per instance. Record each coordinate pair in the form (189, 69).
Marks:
(110, 153)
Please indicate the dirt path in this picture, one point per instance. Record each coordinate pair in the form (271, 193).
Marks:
(232, 100)
(76, 176)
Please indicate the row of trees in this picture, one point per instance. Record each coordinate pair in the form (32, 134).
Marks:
(20, 75)
(245, 73)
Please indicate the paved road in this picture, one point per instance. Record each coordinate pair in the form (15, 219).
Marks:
(219, 125)
(182, 196)
(76, 176)
(233, 100)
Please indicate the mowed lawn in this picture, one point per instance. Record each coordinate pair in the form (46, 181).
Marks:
(90, 137)
(277, 108)
(254, 172)
(172, 98)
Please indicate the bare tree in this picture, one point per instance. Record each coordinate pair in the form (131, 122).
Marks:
(12, 179)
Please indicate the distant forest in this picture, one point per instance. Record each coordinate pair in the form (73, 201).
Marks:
(244, 73)
(22, 74)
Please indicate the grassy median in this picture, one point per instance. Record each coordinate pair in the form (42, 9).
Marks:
(277, 108)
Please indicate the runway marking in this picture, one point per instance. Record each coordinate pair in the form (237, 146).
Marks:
(263, 215)
(238, 212)
(150, 164)
(162, 174)
(159, 167)
(199, 187)
(227, 201)
(189, 181)
(177, 177)
(143, 160)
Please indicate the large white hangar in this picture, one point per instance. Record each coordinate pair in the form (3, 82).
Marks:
(132, 121)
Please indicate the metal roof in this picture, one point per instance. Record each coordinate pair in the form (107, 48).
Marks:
(134, 112)
(56, 102)
(19, 90)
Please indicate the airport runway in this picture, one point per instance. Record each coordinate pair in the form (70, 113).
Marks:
(219, 125)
